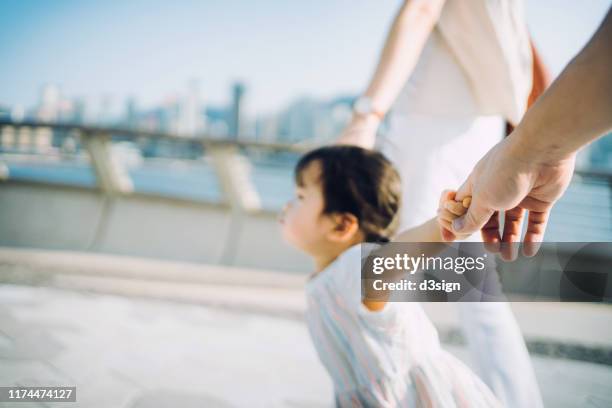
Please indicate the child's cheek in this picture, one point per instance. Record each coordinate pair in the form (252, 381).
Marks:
(291, 223)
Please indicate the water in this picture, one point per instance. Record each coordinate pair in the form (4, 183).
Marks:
(194, 181)
(584, 213)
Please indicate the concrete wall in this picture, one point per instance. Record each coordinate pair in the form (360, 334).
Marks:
(72, 218)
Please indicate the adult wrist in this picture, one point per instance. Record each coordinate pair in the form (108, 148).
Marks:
(366, 107)
(533, 147)
(369, 121)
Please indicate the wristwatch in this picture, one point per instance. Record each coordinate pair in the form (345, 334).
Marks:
(364, 106)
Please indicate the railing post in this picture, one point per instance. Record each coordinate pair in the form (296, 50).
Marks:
(8, 137)
(233, 171)
(111, 175)
(4, 171)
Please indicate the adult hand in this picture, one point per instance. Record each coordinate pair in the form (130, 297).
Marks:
(361, 131)
(511, 177)
(531, 168)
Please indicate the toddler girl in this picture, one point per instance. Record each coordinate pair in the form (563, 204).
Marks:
(378, 354)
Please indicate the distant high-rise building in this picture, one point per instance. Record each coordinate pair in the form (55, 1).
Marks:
(320, 121)
(6, 113)
(18, 113)
(78, 111)
(266, 128)
(105, 106)
(49, 103)
(237, 110)
(190, 120)
(131, 113)
(217, 120)
(298, 121)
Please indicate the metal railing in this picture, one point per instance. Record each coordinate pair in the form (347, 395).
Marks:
(112, 177)
(226, 155)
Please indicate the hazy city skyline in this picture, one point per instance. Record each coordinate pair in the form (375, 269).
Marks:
(149, 52)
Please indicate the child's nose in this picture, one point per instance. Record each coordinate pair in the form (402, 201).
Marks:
(283, 211)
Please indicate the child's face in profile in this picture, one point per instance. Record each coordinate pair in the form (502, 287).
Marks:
(302, 220)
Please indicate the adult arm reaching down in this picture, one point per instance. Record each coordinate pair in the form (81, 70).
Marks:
(403, 46)
(531, 169)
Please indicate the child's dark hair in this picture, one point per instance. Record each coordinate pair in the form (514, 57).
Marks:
(358, 181)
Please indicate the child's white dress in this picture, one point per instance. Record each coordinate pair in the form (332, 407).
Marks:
(390, 358)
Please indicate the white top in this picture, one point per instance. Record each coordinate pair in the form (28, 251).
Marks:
(476, 61)
(388, 358)
(474, 72)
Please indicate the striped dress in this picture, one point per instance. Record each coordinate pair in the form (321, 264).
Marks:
(390, 358)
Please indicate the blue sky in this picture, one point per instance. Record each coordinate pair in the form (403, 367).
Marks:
(281, 49)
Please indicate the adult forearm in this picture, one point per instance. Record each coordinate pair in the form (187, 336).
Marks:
(403, 46)
(576, 109)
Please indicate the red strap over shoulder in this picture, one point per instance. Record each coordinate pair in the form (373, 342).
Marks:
(541, 76)
(541, 79)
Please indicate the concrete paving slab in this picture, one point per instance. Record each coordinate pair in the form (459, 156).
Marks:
(132, 352)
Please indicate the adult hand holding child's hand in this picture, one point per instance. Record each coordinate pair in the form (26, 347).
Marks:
(448, 211)
(532, 167)
(515, 179)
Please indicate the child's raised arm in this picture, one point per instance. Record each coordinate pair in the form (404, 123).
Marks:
(423, 236)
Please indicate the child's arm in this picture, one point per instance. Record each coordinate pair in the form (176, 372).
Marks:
(429, 231)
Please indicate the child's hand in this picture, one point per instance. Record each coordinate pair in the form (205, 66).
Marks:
(448, 210)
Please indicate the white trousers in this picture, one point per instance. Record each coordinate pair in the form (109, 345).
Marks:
(434, 153)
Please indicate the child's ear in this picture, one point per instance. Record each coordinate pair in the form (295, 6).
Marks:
(346, 225)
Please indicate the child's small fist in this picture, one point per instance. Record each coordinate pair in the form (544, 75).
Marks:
(448, 210)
